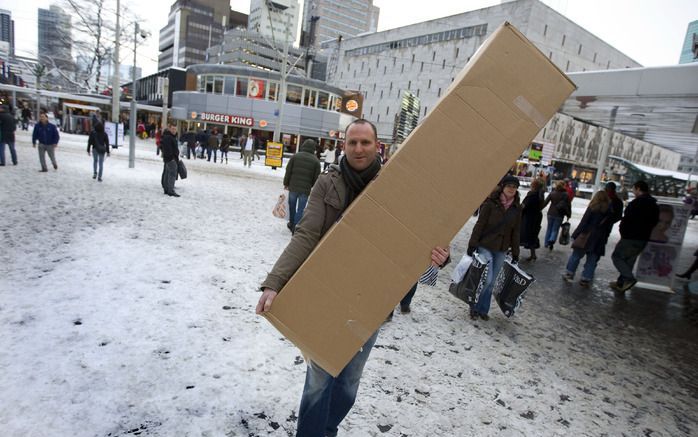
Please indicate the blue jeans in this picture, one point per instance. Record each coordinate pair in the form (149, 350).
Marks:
(624, 256)
(213, 152)
(589, 265)
(327, 400)
(495, 261)
(552, 230)
(296, 204)
(13, 152)
(97, 158)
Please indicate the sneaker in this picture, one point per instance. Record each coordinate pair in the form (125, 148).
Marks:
(94, 176)
(473, 314)
(484, 317)
(568, 277)
(405, 309)
(585, 283)
(55, 166)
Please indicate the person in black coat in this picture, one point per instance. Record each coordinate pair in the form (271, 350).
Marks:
(170, 156)
(531, 217)
(590, 239)
(7, 134)
(98, 145)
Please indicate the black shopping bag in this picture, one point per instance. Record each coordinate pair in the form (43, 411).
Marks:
(564, 234)
(469, 288)
(181, 170)
(510, 287)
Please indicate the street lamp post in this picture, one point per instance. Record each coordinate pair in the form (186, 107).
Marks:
(134, 91)
(282, 92)
(115, 87)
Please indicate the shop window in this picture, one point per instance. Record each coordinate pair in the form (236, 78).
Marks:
(310, 97)
(241, 88)
(294, 94)
(200, 83)
(209, 84)
(229, 85)
(323, 100)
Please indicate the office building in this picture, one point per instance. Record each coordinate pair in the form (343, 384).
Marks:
(192, 27)
(55, 39)
(689, 50)
(7, 33)
(272, 18)
(424, 58)
(337, 17)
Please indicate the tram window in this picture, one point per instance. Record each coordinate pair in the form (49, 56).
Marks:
(241, 89)
(294, 94)
(323, 100)
(229, 87)
(218, 84)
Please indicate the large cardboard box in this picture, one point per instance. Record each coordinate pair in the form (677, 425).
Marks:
(369, 259)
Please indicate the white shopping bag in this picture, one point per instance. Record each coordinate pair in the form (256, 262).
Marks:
(279, 210)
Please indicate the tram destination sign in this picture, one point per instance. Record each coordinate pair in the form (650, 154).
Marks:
(225, 118)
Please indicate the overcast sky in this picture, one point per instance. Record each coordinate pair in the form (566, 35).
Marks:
(649, 31)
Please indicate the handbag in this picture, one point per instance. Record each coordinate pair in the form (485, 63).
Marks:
(279, 210)
(510, 287)
(581, 241)
(181, 170)
(564, 234)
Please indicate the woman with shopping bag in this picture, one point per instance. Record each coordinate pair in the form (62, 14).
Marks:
(589, 239)
(496, 231)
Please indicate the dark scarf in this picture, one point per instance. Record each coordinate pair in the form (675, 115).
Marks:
(357, 181)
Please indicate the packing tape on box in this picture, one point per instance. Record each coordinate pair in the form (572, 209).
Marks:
(531, 112)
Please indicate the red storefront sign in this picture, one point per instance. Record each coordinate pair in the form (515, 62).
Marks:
(227, 119)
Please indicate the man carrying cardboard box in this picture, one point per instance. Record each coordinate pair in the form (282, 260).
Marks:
(326, 400)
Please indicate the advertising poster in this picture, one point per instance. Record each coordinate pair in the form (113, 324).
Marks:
(657, 263)
(535, 153)
(275, 154)
(111, 130)
(255, 89)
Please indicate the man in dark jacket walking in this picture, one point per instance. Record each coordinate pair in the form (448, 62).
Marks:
(7, 134)
(302, 171)
(170, 156)
(641, 215)
(47, 136)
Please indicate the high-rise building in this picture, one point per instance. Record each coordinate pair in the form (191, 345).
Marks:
(272, 18)
(340, 17)
(192, 27)
(55, 39)
(689, 50)
(7, 32)
(424, 58)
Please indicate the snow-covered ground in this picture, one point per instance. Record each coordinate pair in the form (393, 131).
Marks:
(125, 312)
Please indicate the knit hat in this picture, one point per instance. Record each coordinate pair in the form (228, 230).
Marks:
(509, 180)
(610, 186)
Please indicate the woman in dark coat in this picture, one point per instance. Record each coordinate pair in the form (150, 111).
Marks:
(531, 218)
(595, 228)
(496, 231)
(560, 207)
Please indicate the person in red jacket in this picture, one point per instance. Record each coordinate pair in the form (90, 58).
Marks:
(158, 139)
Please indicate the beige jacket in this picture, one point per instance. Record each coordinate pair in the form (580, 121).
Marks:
(325, 205)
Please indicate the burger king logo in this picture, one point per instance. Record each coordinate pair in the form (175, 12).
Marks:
(352, 105)
(194, 115)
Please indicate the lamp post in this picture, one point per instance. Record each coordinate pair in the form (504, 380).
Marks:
(115, 88)
(281, 95)
(134, 91)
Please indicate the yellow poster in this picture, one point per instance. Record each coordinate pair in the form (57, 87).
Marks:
(275, 154)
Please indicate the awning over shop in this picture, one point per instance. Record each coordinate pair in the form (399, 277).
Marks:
(79, 106)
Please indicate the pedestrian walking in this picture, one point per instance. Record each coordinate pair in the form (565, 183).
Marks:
(225, 146)
(170, 157)
(560, 207)
(497, 230)
(46, 135)
(532, 216)
(302, 171)
(590, 238)
(158, 141)
(202, 142)
(98, 145)
(326, 400)
(8, 126)
(640, 217)
(330, 157)
(26, 117)
(249, 150)
(242, 141)
(189, 139)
